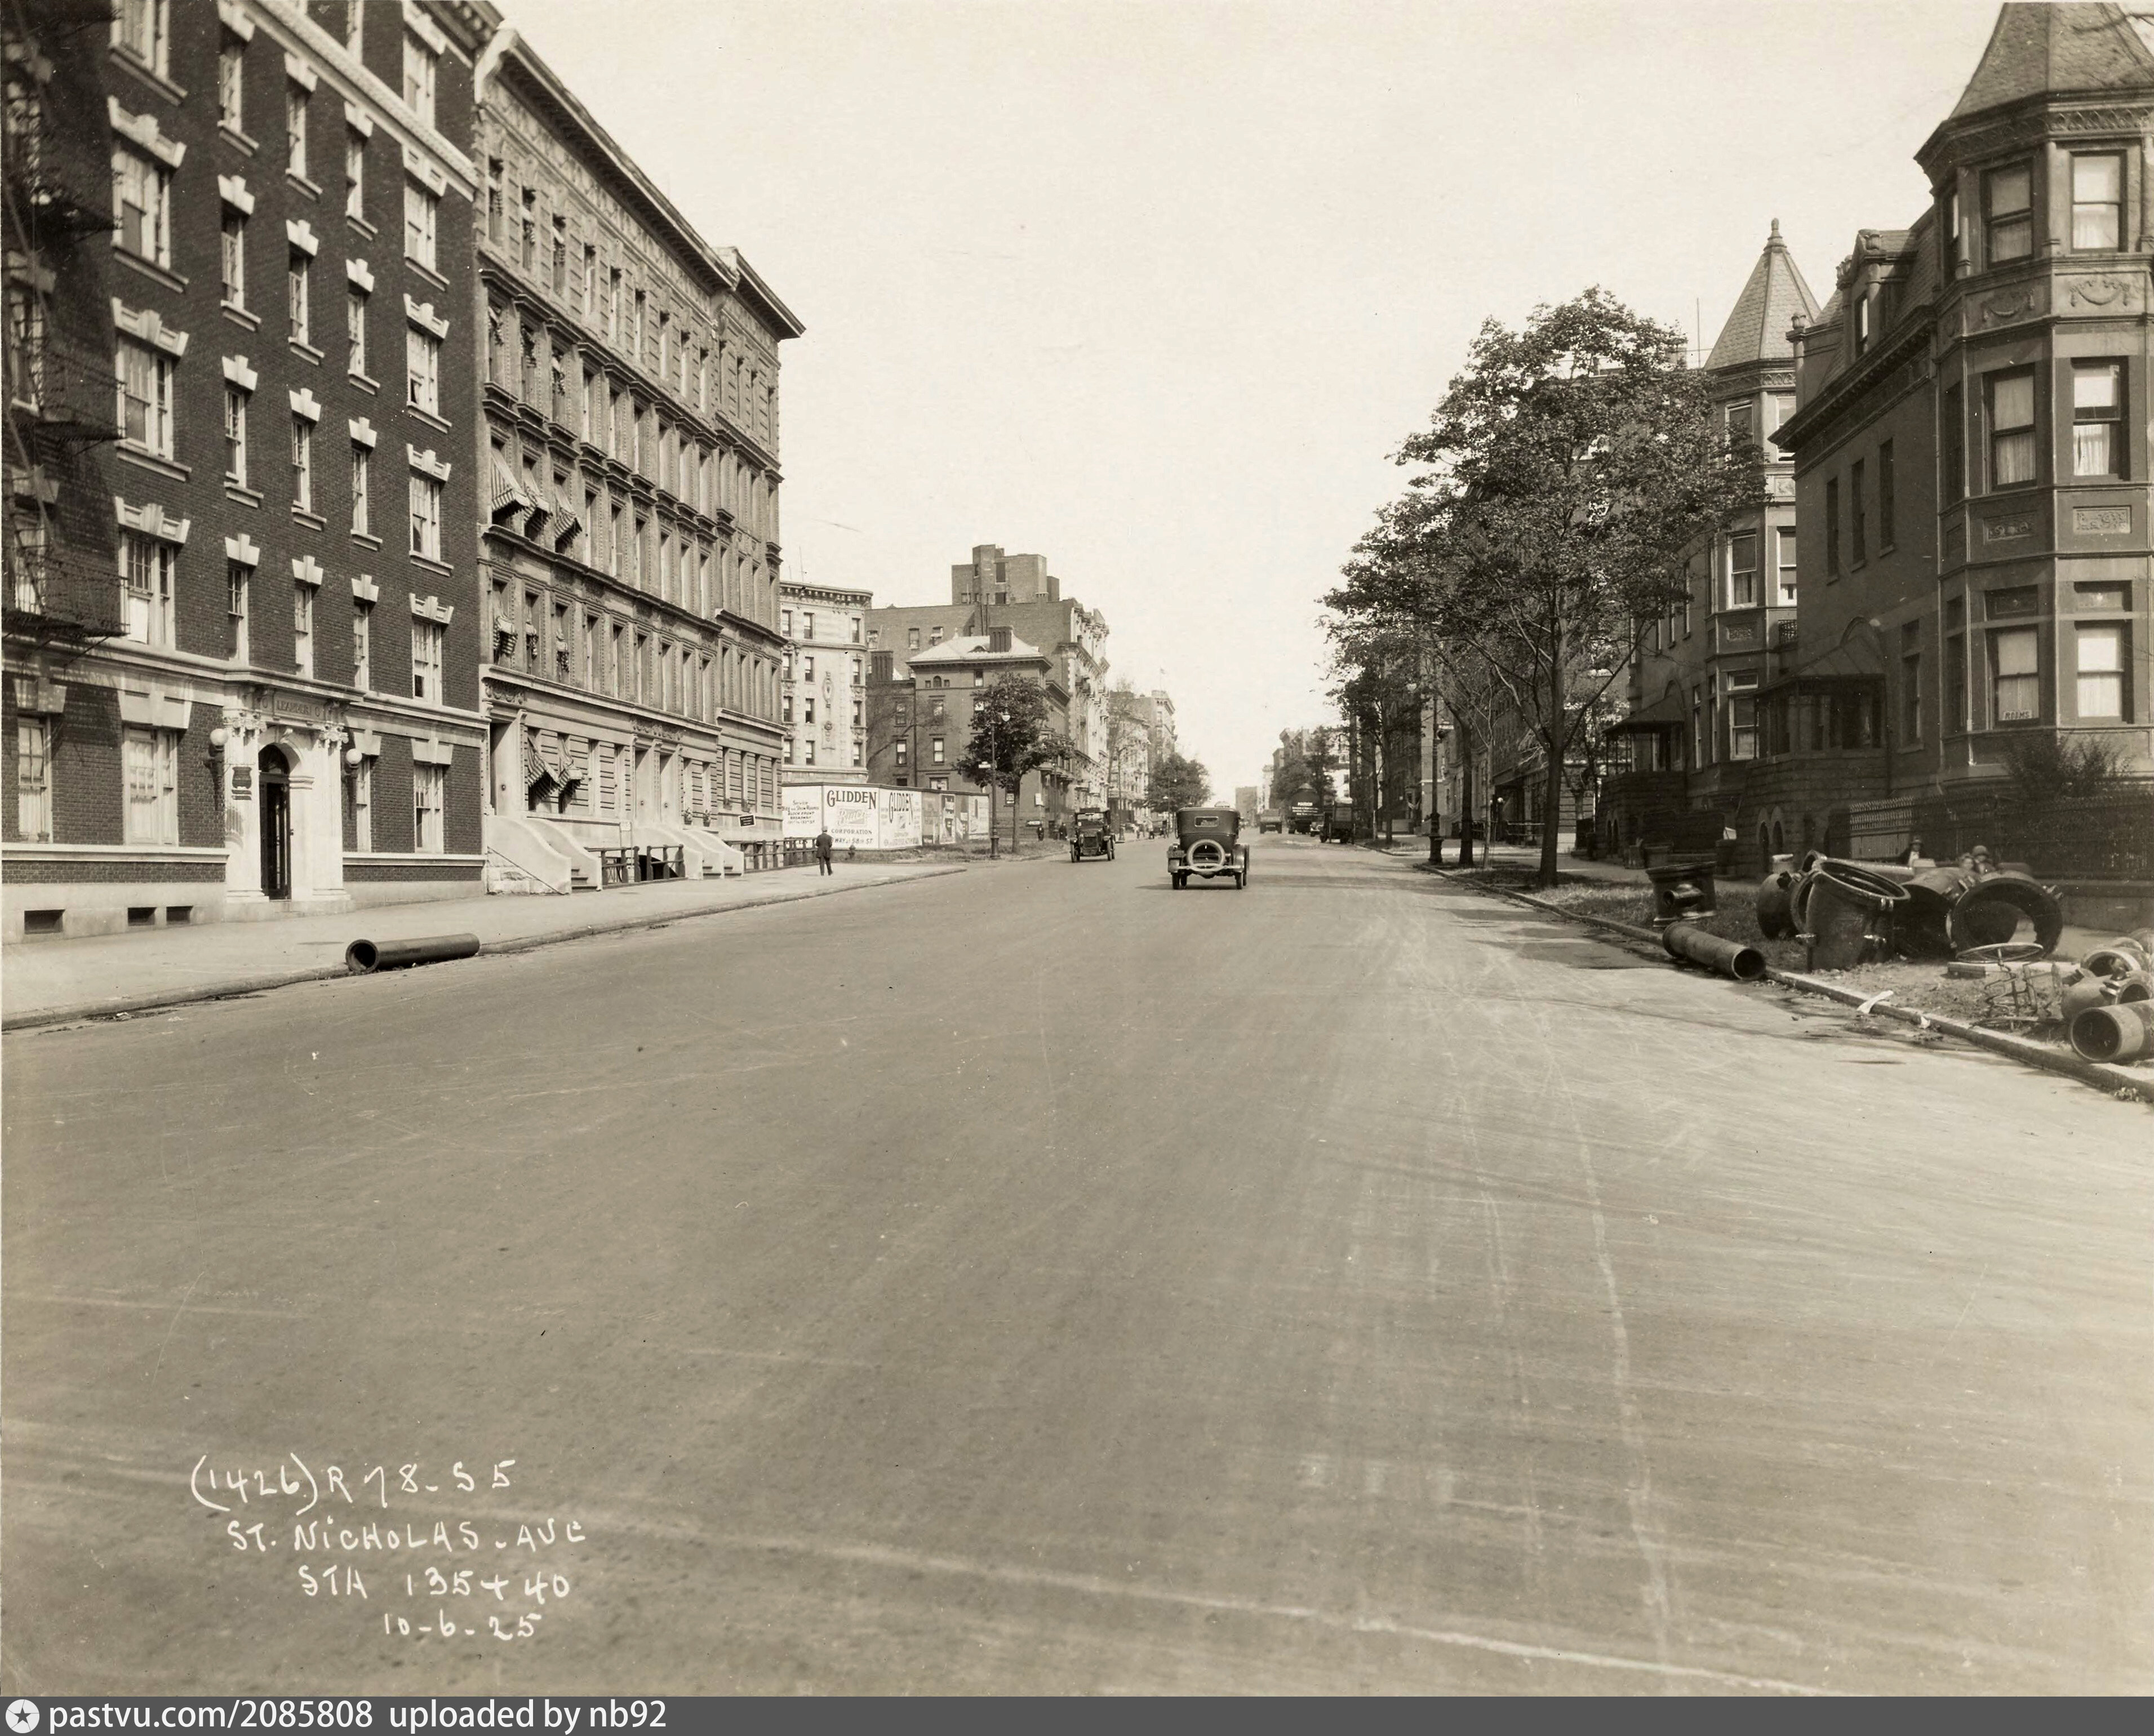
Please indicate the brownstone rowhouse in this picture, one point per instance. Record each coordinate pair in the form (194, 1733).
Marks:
(1973, 474)
(242, 614)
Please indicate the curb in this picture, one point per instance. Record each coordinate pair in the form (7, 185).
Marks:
(2099, 1074)
(528, 942)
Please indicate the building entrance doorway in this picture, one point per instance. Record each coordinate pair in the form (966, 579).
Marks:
(276, 798)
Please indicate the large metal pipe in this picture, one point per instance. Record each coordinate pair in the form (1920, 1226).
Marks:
(2121, 1032)
(362, 958)
(1731, 958)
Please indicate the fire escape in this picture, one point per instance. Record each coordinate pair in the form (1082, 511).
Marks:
(62, 591)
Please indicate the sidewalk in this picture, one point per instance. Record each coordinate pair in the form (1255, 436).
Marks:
(45, 982)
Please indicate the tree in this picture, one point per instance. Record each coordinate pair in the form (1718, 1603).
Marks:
(1568, 470)
(1128, 726)
(1010, 738)
(1177, 782)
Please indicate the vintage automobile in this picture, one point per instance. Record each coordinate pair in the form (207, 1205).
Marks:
(1091, 836)
(1270, 819)
(1206, 845)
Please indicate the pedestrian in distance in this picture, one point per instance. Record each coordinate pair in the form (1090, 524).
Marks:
(823, 851)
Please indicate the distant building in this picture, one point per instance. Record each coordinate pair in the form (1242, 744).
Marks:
(920, 719)
(995, 589)
(1246, 803)
(823, 705)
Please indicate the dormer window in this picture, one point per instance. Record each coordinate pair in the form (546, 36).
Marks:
(2009, 213)
(2097, 203)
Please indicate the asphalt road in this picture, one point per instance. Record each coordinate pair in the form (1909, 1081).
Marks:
(1034, 1280)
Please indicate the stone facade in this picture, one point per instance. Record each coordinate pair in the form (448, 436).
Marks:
(251, 689)
(823, 703)
(630, 547)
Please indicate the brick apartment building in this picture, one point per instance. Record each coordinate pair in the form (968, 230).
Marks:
(824, 699)
(995, 589)
(630, 558)
(1685, 751)
(242, 629)
(920, 719)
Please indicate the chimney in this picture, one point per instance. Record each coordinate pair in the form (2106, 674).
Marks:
(998, 639)
(879, 666)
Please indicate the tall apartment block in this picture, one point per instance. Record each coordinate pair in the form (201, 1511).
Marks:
(241, 626)
(823, 703)
(632, 653)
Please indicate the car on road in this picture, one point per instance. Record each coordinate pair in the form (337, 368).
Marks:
(1207, 846)
(1270, 819)
(1091, 836)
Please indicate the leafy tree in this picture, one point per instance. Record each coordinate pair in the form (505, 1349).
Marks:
(1177, 782)
(1566, 472)
(1010, 737)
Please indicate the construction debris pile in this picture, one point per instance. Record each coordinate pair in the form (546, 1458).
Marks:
(2108, 1002)
(1856, 912)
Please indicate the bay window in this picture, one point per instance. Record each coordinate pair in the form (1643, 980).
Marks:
(2015, 664)
(2097, 203)
(2101, 670)
(2011, 429)
(2098, 419)
(2009, 211)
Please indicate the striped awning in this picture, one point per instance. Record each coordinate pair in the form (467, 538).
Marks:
(508, 490)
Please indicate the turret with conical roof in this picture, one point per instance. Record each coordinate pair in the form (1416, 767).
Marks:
(1757, 329)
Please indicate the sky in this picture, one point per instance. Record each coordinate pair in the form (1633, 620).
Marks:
(1157, 290)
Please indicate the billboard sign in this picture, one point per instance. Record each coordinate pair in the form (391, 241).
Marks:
(898, 812)
(851, 814)
(804, 809)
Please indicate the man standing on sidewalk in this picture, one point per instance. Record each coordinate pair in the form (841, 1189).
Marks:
(823, 851)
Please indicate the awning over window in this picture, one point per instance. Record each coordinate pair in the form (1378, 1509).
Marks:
(1853, 662)
(1664, 713)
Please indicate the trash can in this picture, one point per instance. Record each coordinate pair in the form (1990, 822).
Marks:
(1681, 889)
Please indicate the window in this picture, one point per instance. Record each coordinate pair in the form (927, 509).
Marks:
(426, 654)
(354, 175)
(1742, 571)
(302, 627)
(355, 329)
(935, 750)
(426, 517)
(144, 28)
(785, 709)
(493, 213)
(613, 304)
(2097, 418)
(808, 753)
(1885, 496)
(237, 577)
(808, 708)
(142, 201)
(807, 668)
(1911, 683)
(1832, 528)
(33, 785)
(233, 258)
(1743, 726)
(303, 464)
(2101, 671)
(148, 566)
(427, 800)
(231, 84)
(590, 282)
(235, 436)
(420, 64)
(900, 751)
(912, 638)
(151, 763)
(362, 644)
(145, 377)
(2009, 208)
(298, 273)
(2015, 674)
(2097, 203)
(362, 489)
(1954, 445)
(1858, 515)
(785, 622)
(422, 216)
(422, 370)
(295, 130)
(359, 781)
(807, 628)
(1786, 569)
(561, 257)
(2011, 429)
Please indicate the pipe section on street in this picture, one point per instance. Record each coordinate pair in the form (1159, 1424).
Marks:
(1693, 945)
(362, 958)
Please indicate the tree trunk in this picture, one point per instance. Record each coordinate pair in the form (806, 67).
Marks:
(1465, 797)
(1552, 813)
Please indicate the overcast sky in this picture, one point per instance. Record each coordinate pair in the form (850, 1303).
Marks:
(1156, 290)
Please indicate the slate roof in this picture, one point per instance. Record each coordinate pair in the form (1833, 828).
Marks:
(2038, 49)
(1757, 331)
(971, 650)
